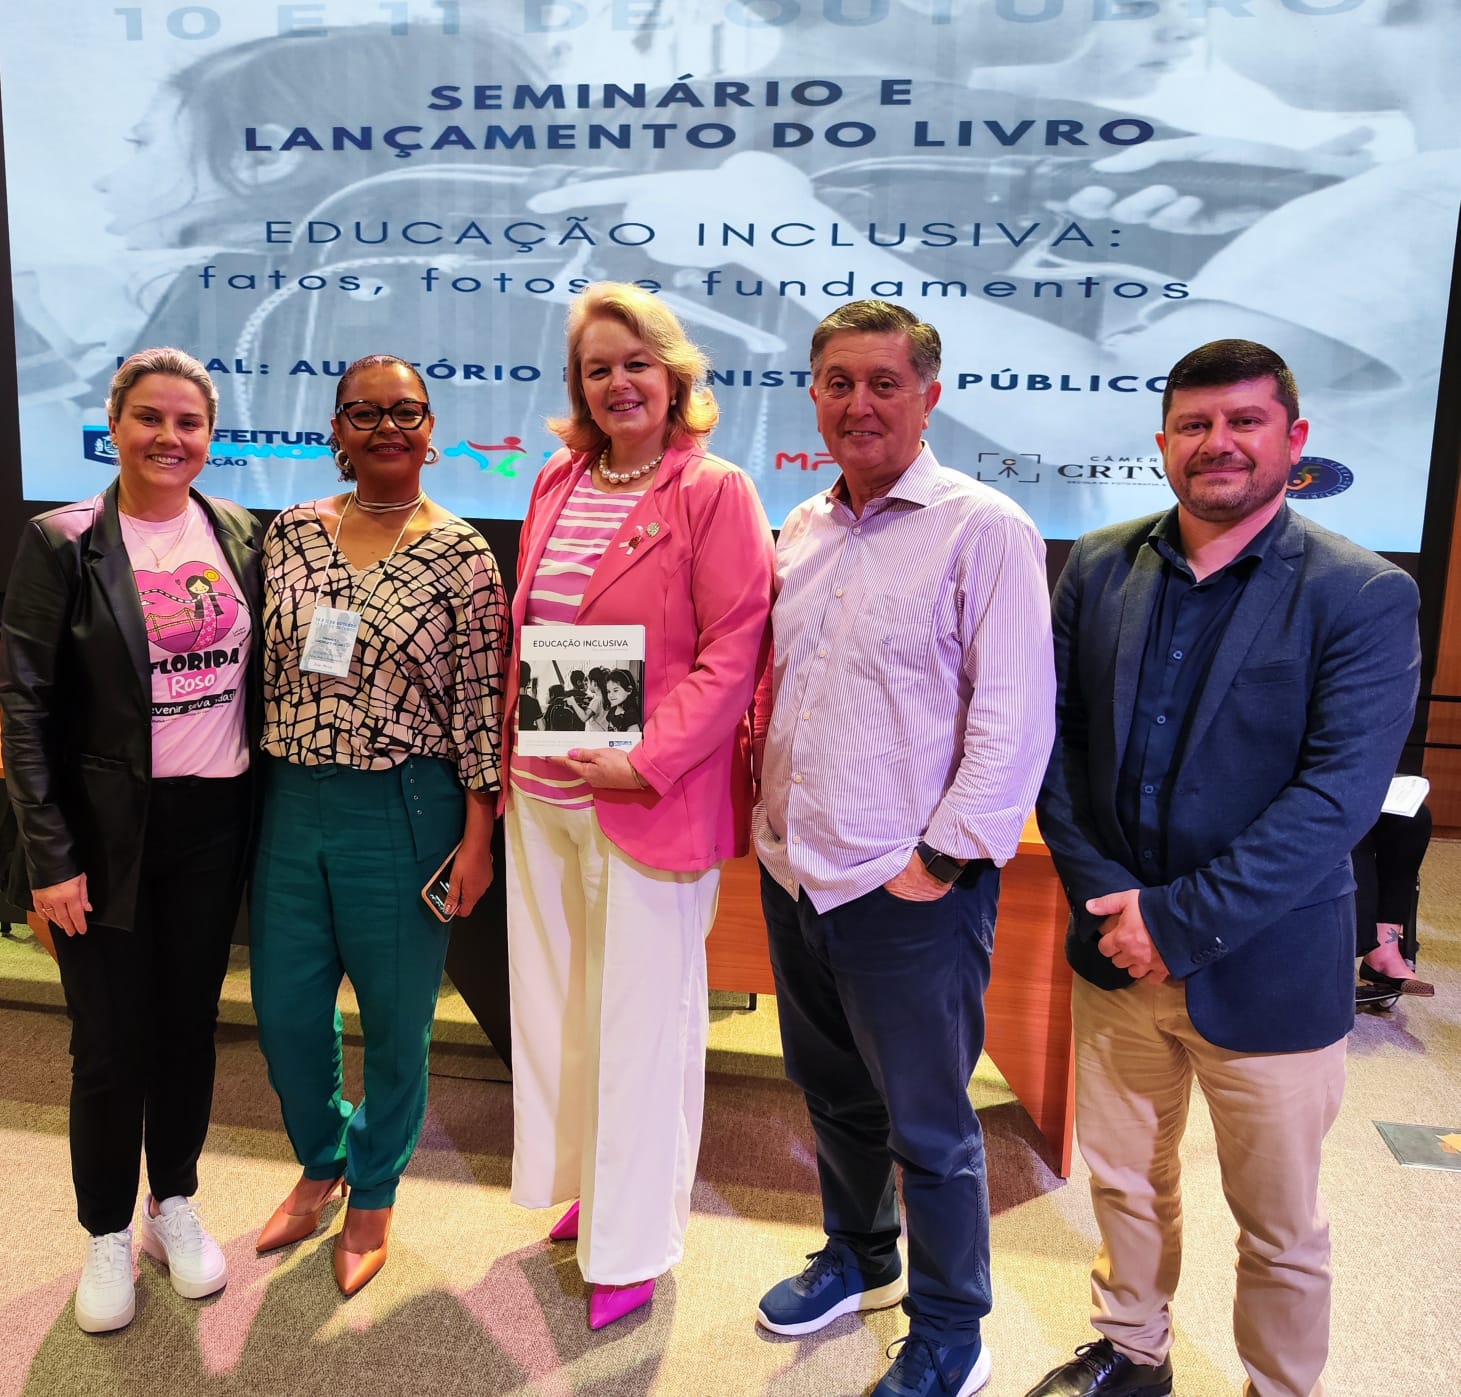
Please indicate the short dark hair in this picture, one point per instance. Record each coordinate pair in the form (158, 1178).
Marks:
(872, 317)
(373, 361)
(1221, 362)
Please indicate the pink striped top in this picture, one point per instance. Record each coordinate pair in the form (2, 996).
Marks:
(581, 534)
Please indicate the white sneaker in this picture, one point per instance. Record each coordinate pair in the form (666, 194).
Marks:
(105, 1298)
(178, 1239)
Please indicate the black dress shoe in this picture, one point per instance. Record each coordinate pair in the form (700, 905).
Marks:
(1374, 997)
(1400, 985)
(1097, 1370)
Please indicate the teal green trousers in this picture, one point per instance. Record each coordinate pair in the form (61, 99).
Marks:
(343, 856)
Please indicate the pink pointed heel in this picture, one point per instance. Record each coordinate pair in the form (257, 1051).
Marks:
(606, 1303)
(566, 1228)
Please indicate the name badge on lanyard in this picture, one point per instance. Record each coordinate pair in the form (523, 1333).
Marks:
(330, 644)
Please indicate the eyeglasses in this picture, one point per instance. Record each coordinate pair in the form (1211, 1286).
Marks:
(407, 414)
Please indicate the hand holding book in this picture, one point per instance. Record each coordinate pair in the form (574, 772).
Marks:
(603, 767)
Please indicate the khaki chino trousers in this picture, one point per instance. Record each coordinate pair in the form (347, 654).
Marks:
(1137, 1054)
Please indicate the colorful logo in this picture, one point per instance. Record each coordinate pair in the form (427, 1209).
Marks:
(1318, 478)
(509, 455)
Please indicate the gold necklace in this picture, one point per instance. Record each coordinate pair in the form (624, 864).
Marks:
(141, 537)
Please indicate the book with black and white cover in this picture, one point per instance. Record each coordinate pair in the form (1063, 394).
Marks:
(582, 686)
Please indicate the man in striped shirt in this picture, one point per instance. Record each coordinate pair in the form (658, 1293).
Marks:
(913, 714)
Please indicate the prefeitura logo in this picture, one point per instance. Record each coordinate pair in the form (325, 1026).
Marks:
(96, 445)
(1318, 478)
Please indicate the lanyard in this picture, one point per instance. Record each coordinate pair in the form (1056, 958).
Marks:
(385, 562)
(329, 647)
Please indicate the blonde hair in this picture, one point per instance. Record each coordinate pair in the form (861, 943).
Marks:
(693, 410)
(173, 363)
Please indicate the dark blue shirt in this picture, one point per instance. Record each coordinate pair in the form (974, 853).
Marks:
(1189, 620)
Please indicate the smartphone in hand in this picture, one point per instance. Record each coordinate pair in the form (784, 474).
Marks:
(435, 892)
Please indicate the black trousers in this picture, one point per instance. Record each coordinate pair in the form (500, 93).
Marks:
(144, 1004)
(1386, 863)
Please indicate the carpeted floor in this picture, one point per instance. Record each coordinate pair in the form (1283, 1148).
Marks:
(475, 1300)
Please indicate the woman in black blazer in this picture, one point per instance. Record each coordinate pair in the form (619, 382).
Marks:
(128, 686)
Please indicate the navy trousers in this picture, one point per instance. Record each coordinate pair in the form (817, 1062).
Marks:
(882, 1022)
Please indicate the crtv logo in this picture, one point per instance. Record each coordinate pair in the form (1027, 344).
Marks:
(96, 445)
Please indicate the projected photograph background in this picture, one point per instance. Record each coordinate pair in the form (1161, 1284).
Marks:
(1074, 194)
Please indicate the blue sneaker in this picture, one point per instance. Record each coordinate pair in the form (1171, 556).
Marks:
(832, 1285)
(926, 1369)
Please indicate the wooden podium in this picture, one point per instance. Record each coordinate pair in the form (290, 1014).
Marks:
(1027, 1009)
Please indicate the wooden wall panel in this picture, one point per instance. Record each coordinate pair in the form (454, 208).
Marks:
(1443, 768)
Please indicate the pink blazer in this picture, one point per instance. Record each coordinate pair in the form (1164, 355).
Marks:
(699, 581)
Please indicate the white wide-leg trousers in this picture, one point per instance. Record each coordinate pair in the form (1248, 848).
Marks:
(610, 1015)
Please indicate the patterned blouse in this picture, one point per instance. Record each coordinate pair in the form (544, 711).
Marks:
(426, 676)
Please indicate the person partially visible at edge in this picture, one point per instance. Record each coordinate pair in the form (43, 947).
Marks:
(1235, 686)
(129, 712)
(385, 645)
(1386, 866)
(911, 718)
(613, 856)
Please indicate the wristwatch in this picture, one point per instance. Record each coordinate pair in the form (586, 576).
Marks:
(945, 867)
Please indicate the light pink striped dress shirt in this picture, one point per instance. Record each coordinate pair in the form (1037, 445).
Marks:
(581, 533)
(914, 683)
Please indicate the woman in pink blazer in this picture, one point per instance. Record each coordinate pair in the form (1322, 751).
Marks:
(614, 855)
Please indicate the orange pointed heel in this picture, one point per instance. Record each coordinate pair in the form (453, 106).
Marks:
(286, 1226)
(353, 1269)
(566, 1228)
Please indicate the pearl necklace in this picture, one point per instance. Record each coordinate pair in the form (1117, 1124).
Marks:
(387, 506)
(624, 477)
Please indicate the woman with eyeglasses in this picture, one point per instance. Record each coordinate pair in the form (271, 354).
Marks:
(385, 631)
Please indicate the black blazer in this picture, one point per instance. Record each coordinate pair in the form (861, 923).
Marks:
(76, 697)
(1293, 739)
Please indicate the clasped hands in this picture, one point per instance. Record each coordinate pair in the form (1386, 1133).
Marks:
(1125, 940)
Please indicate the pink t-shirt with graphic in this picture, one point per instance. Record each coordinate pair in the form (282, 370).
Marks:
(198, 641)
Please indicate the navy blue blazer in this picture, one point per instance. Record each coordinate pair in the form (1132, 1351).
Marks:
(1295, 735)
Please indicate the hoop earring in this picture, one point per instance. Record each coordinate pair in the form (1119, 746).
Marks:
(342, 462)
(432, 456)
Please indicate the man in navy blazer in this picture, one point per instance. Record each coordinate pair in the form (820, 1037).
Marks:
(1235, 685)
